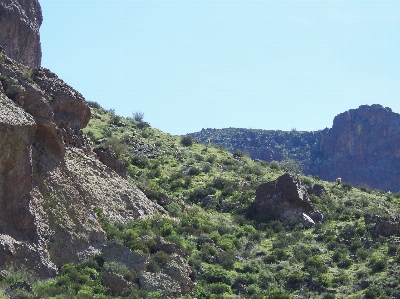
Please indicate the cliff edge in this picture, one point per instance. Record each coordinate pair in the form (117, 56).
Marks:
(20, 21)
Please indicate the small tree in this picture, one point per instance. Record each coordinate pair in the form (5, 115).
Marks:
(187, 140)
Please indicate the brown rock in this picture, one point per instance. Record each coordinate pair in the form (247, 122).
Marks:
(20, 21)
(317, 190)
(47, 219)
(285, 194)
(115, 282)
(106, 157)
(362, 147)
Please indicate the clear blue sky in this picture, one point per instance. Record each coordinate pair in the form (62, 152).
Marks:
(190, 64)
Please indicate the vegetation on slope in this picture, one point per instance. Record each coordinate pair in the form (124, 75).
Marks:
(208, 193)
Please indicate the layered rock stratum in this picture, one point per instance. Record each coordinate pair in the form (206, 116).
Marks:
(50, 178)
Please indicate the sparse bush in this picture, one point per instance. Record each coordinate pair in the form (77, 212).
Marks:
(116, 146)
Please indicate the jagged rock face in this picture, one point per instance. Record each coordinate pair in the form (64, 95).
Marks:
(363, 147)
(286, 199)
(50, 179)
(20, 21)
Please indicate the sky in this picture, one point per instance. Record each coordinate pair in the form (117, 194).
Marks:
(192, 64)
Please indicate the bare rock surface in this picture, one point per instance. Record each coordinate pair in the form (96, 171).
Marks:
(362, 147)
(287, 199)
(115, 282)
(116, 252)
(179, 270)
(107, 158)
(20, 21)
(47, 219)
(158, 282)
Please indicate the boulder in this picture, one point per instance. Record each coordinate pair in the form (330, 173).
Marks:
(106, 157)
(317, 216)
(116, 252)
(179, 270)
(317, 190)
(286, 199)
(170, 248)
(115, 282)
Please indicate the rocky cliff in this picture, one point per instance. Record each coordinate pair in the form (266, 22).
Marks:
(50, 179)
(362, 147)
(20, 21)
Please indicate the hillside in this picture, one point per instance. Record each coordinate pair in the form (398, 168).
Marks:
(212, 225)
(361, 147)
(95, 205)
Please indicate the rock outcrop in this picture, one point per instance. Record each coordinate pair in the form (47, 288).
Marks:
(20, 21)
(286, 199)
(362, 147)
(50, 179)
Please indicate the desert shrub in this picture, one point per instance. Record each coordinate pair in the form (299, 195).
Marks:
(393, 249)
(158, 261)
(211, 159)
(140, 161)
(372, 292)
(194, 171)
(215, 275)
(174, 209)
(206, 167)
(347, 186)
(274, 165)
(95, 105)
(116, 146)
(114, 118)
(278, 294)
(187, 140)
(226, 259)
(219, 288)
(142, 125)
(315, 265)
(377, 262)
(238, 154)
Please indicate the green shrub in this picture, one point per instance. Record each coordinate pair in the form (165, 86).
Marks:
(219, 288)
(187, 140)
(140, 161)
(377, 262)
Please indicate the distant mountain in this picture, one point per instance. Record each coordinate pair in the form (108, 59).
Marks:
(362, 147)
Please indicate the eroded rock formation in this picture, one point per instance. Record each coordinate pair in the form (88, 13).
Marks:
(362, 147)
(20, 22)
(285, 199)
(50, 179)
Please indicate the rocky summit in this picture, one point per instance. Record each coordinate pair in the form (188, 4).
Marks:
(362, 147)
(50, 179)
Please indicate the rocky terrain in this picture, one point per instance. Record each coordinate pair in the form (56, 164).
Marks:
(361, 147)
(19, 30)
(50, 179)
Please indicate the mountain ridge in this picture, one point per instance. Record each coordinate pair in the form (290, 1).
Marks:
(361, 147)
